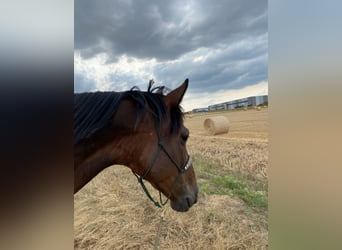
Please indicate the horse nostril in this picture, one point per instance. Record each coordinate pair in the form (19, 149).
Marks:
(188, 201)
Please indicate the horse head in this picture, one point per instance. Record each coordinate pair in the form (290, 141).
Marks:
(141, 130)
(157, 146)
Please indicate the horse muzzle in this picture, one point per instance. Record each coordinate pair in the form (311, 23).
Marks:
(183, 203)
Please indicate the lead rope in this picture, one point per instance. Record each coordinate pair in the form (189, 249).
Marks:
(140, 180)
(161, 221)
(162, 214)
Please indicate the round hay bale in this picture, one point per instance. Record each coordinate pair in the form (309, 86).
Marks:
(258, 108)
(244, 109)
(216, 125)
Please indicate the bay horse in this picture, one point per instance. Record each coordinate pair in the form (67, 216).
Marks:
(141, 130)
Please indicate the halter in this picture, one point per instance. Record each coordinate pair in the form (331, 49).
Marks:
(181, 170)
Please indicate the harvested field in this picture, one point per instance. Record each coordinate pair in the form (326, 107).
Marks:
(112, 211)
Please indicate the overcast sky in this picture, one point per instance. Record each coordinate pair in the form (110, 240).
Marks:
(221, 46)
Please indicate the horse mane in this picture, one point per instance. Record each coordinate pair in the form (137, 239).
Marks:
(95, 111)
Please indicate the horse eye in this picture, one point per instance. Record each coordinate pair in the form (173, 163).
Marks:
(185, 137)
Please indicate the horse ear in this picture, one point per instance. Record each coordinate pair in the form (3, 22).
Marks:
(175, 97)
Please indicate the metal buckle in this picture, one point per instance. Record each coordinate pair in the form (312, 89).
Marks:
(188, 163)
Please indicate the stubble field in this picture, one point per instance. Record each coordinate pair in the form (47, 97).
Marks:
(112, 212)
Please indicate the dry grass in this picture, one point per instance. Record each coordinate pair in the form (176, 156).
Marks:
(246, 158)
(112, 212)
(247, 125)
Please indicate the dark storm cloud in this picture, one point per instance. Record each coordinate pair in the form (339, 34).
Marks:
(235, 66)
(164, 30)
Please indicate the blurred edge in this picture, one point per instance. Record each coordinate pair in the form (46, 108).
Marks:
(36, 100)
(305, 125)
(305, 200)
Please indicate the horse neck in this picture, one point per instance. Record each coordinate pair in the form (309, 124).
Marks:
(111, 147)
(92, 158)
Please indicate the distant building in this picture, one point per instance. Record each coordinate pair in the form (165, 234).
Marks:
(200, 110)
(240, 103)
(261, 99)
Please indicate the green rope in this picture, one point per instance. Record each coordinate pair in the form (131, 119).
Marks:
(140, 178)
(148, 194)
(160, 204)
